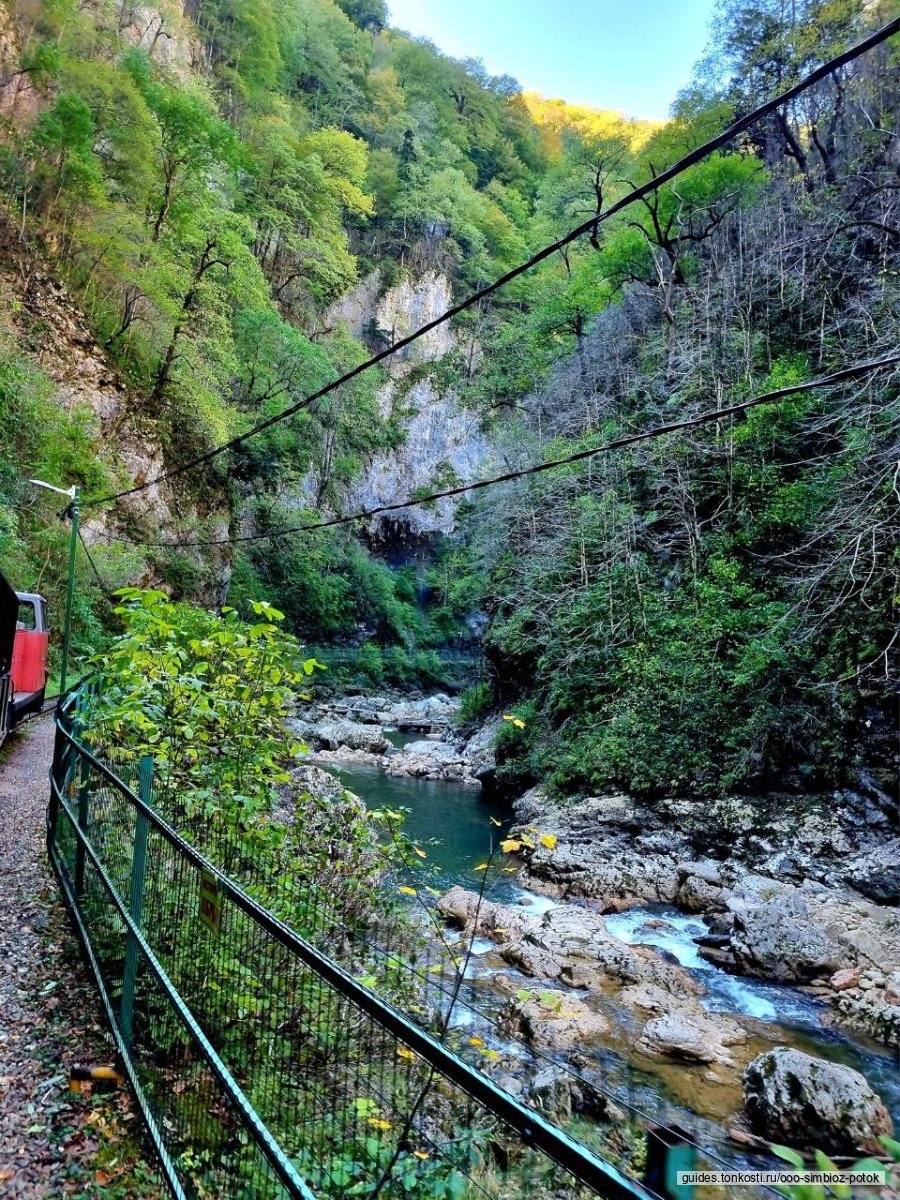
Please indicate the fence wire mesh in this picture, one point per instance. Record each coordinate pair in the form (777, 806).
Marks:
(271, 1067)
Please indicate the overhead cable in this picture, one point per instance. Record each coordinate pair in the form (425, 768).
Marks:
(589, 226)
(705, 418)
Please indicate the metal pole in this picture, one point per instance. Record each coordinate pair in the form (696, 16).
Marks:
(668, 1152)
(136, 901)
(70, 591)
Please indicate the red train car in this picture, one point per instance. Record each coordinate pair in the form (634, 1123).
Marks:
(24, 646)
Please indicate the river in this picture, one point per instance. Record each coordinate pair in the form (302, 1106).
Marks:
(464, 825)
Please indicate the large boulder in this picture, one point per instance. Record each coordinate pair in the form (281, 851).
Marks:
(792, 1097)
(681, 1029)
(876, 874)
(485, 918)
(337, 733)
(777, 939)
(431, 760)
(680, 1036)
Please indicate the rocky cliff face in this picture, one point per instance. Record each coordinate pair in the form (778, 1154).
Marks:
(38, 315)
(444, 444)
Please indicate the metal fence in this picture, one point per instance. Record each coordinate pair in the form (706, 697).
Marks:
(265, 1067)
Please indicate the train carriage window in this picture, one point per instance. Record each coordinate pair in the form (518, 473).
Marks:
(27, 618)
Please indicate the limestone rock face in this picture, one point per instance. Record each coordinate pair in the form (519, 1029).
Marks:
(791, 1096)
(163, 38)
(441, 437)
(479, 750)
(877, 874)
(601, 851)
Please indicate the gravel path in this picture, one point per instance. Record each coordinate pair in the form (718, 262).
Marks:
(53, 1143)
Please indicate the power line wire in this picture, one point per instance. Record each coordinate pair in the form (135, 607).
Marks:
(689, 160)
(704, 418)
(103, 586)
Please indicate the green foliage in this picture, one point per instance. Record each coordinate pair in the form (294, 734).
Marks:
(819, 1191)
(475, 702)
(40, 440)
(206, 696)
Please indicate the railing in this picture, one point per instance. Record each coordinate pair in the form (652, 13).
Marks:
(262, 1066)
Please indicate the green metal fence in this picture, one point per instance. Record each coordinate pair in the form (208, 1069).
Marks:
(263, 1066)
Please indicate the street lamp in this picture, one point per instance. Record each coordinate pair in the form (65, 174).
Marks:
(72, 511)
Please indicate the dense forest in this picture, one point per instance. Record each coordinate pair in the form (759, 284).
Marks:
(704, 613)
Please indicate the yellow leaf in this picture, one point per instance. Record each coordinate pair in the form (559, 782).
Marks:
(421, 1154)
(516, 721)
(510, 845)
(476, 1041)
(548, 840)
(402, 1052)
(501, 931)
(378, 1123)
(421, 853)
(407, 891)
(482, 866)
(494, 821)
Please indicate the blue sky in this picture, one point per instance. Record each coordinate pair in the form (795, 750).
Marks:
(632, 55)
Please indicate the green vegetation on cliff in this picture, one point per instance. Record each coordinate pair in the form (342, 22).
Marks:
(700, 613)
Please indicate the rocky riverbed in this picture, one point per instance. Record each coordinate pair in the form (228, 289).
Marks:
(793, 891)
(798, 902)
(360, 730)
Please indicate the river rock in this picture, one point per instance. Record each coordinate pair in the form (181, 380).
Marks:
(550, 1093)
(791, 1096)
(681, 1029)
(485, 918)
(553, 1020)
(420, 714)
(566, 943)
(698, 895)
(681, 1037)
(848, 977)
(431, 760)
(708, 870)
(336, 733)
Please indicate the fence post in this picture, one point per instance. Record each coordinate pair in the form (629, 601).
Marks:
(136, 900)
(78, 767)
(668, 1153)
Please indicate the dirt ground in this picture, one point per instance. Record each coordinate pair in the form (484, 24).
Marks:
(53, 1143)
